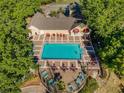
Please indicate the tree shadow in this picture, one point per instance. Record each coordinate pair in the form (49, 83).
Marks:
(67, 11)
(35, 59)
(76, 11)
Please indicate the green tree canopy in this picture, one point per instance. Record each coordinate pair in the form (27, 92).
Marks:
(106, 19)
(15, 48)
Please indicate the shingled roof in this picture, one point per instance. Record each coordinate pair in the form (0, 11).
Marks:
(52, 23)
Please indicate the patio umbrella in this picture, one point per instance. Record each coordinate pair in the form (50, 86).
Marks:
(60, 34)
(85, 29)
(76, 30)
(47, 34)
(63, 35)
(53, 34)
(57, 34)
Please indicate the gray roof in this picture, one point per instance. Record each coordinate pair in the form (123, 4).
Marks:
(52, 23)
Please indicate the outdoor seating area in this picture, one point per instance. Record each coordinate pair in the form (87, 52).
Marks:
(74, 81)
(63, 65)
(47, 78)
(57, 70)
(45, 75)
(77, 83)
(57, 37)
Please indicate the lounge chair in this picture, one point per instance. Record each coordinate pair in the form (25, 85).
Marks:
(78, 81)
(44, 74)
(51, 82)
(71, 88)
(81, 76)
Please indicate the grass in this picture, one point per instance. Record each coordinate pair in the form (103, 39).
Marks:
(90, 86)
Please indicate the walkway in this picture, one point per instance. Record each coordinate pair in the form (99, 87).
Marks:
(33, 89)
(109, 86)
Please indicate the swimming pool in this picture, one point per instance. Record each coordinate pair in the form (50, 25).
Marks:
(62, 51)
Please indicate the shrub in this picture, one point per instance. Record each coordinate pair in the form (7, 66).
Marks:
(61, 85)
(90, 86)
(53, 13)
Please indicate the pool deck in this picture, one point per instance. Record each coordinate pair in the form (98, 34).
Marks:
(88, 56)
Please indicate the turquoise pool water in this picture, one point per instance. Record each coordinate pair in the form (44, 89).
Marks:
(62, 51)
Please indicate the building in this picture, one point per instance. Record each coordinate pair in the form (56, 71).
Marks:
(67, 49)
(42, 25)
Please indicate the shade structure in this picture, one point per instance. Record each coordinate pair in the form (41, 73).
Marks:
(85, 29)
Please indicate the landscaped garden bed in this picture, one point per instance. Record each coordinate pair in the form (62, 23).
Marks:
(90, 87)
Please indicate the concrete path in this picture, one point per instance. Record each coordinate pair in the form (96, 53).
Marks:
(109, 86)
(33, 89)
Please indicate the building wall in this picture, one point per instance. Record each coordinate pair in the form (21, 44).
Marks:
(56, 31)
(35, 31)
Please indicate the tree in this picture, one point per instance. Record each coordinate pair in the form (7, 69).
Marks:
(105, 18)
(15, 48)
